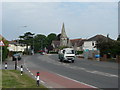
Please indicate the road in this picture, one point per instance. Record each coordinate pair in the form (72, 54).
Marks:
(92, 73)
(81, 74)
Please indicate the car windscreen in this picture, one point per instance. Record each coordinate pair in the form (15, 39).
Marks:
(70, 52)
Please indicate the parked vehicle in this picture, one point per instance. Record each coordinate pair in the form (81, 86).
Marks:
(16, 56)
(42, 52)
(67, 54)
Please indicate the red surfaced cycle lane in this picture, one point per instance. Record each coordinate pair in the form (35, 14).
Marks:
(57, 81)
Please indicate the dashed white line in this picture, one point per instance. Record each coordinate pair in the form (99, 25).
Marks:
(42, 82)
(31, 73)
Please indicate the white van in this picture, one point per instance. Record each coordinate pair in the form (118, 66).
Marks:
(67, 54)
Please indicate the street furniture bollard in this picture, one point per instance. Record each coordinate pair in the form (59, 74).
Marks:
(38, 79)
(5, 65)
(21, 69)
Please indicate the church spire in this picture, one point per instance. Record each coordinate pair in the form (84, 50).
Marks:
(63, 37)
(63, 33)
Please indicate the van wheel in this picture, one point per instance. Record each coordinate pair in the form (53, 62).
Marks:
(72, 61)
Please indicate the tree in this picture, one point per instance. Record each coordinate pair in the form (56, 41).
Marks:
(40, 42)
(111, 48)
(58, 37)
(49, 39)
(118, 39)
(27, 39)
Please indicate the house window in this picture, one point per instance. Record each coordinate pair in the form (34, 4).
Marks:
(92, 43)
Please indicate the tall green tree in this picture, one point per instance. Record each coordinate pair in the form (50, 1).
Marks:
(40, 42)
(50, 38)
(27, 39)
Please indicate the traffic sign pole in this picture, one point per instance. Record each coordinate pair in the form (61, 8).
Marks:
(16, 64)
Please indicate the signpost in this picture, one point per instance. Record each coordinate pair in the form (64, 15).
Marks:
(1, 44)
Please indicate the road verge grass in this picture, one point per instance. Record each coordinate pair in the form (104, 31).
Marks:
(13, 79)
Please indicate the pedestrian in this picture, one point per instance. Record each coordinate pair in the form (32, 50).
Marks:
(5, 65)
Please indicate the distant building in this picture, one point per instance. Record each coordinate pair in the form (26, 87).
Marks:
(91, 42)
(65, 41)
(89, 46)
(16, 47)
(55, 44)
(63, 38)
(77, 44)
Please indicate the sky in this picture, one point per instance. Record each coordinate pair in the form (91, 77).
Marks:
(81, 19)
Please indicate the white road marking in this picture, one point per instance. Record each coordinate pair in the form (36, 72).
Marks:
(42, 82)
(31, 73)
(77, 81)
(102, 73)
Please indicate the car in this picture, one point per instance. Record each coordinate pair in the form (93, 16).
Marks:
(16, 56)
(42, 52)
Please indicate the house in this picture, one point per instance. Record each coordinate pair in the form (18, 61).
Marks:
(77, 44)
(89, 46)
(16, 47)
(91, 42)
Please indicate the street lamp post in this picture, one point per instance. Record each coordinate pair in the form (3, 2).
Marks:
(33, 46)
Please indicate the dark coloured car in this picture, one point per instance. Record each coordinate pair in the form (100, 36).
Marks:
(16, 57)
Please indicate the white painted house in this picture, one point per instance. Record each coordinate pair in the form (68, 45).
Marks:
(89, 45)
(13, 46)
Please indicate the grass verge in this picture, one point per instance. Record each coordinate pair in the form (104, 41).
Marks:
(13, 79)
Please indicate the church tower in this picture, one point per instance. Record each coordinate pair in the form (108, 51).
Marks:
(63, 37)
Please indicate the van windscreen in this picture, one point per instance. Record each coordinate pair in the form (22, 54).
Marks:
(70, 52)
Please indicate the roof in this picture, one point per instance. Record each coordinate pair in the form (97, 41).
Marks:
(56, 43)
(78, 42)
(13, 42)
(99, 38)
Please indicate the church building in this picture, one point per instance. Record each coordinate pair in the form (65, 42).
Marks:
(63, 38)
(65, 41)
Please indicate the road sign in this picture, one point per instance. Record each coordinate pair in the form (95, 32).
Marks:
(1, 43)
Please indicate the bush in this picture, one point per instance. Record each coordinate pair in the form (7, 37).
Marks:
(4, 53)
(79, 52)
(52, 52)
